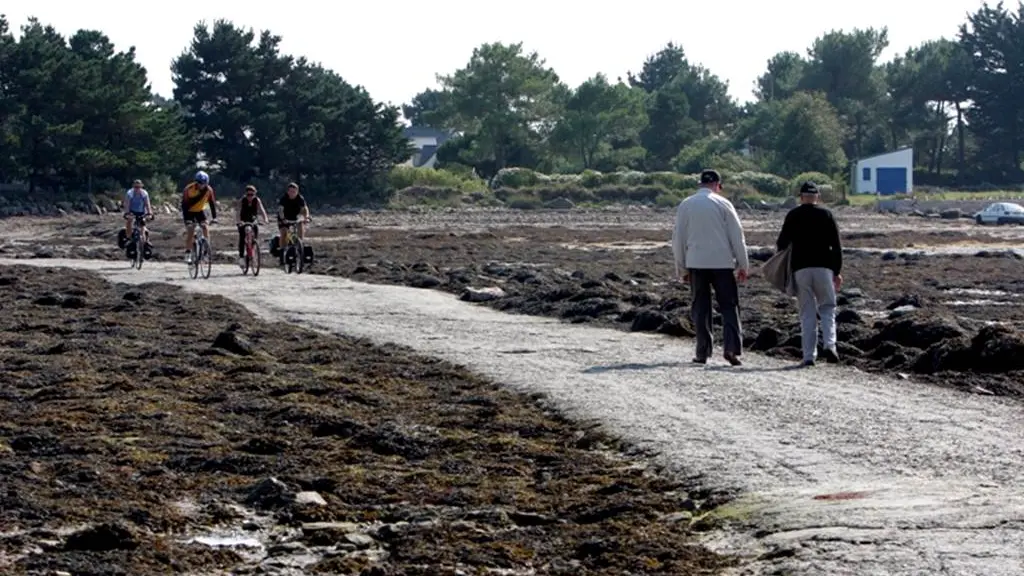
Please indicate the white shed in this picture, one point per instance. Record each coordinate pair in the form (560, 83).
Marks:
(885, 174)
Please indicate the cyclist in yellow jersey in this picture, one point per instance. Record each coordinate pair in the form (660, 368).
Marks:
(194, 200)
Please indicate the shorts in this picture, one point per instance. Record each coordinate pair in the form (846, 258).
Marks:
(197, 217)
(138, 214)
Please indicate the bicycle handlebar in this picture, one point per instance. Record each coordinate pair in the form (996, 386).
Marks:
(129, 216)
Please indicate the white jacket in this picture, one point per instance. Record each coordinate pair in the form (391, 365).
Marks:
(708, 234)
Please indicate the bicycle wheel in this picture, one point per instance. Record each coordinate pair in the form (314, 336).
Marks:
(247, 256)
(140, 246)
(300, 256)
(193, 261)
(289, 259)
(207, 260)
(255, 260)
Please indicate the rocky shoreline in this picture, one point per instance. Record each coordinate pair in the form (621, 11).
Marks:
(151, 430)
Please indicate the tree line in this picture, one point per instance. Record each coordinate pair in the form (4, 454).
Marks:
(959, 102)
(78, 116)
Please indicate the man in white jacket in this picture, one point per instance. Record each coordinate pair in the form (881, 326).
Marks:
(709, 247)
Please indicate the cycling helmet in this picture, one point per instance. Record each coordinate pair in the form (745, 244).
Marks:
(202, 177)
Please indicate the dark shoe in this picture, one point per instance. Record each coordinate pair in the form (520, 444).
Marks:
(830, 356)
(807, 363)
(699, 360)
(732, 359)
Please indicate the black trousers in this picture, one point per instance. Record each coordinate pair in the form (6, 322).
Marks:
(702, 280)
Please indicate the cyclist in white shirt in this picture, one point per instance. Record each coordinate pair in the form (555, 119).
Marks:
(136, 203)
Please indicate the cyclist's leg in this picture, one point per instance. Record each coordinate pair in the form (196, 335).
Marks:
(241, 240)
(128, 226)
(302, 230)
(190, 231)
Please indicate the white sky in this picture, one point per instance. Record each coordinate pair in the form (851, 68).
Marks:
(395, 48)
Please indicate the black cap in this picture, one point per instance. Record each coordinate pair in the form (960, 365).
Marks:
(809, 188)
(709, 177)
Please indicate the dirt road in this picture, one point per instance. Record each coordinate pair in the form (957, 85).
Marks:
(840, 472)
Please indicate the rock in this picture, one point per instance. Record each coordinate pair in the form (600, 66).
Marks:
(424, 281)
(269, 493)
(998, 349)
(286, 549)
(482, 294)
(263, 446)
(790, 202)
(767, 339)
(951, 214)
(560, 203)
(648, 321)
(675, 327)
(919, 332)
(953, 354)
(889, 256)
(906, 300)
(849, 317)
(310, 498)
(233, 342)
(592, 308)
(103, 537)
(901, 311)
(531, 519)
(73, 302)
(359, 540)
(47, 300)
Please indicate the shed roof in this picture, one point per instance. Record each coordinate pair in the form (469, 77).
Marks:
(891, 152)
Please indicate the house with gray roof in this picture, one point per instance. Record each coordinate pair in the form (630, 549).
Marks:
(425, 141)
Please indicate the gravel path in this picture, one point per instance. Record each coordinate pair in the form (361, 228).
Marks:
(839, 472)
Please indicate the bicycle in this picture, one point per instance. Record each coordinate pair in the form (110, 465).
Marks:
(138, 240)
(252, 251)
(293, 250)
(201, 253)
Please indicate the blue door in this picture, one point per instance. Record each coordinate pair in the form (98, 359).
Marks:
(891, 181)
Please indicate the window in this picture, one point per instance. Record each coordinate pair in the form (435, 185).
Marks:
(866, 176)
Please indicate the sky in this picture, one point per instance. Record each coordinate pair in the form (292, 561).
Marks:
(395, 49)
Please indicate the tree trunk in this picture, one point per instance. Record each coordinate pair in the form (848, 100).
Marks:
(939, 153)
(960, 155)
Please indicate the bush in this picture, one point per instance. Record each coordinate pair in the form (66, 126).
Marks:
(669, 199)
(521, 201)
(765, 183)
(402, 177)
(518, 178)
(816, 177)
(741, 192)
(427, 195)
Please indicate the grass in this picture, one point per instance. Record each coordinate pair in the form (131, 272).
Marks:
(950, 196)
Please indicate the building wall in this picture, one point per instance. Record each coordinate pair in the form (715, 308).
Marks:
(899, 159)
(418, 142)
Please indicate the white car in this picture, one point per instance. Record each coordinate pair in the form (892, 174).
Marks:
(1001, 213)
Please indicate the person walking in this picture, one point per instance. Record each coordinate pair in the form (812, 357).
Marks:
(709, 248)
(817, 262)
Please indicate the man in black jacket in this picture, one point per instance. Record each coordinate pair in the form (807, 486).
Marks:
(817, 260)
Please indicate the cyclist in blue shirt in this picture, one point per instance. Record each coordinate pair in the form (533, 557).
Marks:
(136, 203)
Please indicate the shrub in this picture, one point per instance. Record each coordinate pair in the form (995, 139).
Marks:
(669, 199)
(816, 177)
(521, 201)
(742, 192)
(427, 195)
(765, 183)
(518, 178)
(402, 177)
